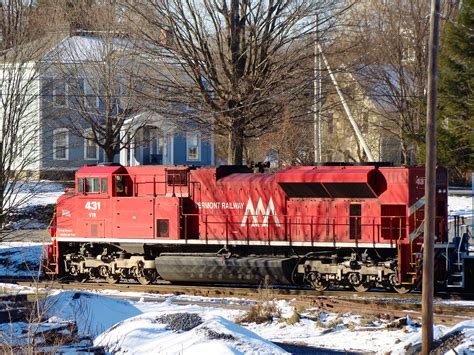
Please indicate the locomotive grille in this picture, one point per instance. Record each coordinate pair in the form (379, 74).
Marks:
(177, 177)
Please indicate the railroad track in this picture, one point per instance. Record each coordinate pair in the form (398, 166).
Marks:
(220, 290)
(383, 304)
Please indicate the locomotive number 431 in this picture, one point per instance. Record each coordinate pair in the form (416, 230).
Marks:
(92, 205)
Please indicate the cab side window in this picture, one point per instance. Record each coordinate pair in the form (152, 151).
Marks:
(103, 185)
(92, 185)
(119, 185)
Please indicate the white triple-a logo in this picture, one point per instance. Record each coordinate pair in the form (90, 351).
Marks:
(260, 210)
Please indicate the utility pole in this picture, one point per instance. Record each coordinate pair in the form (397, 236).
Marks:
(317, 96)
(430, 184)
(351, 118)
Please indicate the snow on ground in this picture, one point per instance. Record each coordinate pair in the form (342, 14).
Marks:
(215, 335)
(137, 326)
(20, 258)
(38, 193)
(92, 313)
(460, 205)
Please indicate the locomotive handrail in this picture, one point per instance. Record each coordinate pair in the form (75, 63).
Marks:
(229, 222)
(156, 180)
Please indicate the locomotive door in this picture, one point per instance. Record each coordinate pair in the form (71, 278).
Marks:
(355, 225)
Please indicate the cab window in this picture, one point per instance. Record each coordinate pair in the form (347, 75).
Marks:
(92, 185)
(119, 184)
(103, 185)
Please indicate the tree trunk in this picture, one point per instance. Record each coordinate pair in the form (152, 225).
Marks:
(404, 149)
(109, 155)
(2, 188)
(235, 148)
(2, 214)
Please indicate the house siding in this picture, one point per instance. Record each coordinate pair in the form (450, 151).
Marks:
(180, 153)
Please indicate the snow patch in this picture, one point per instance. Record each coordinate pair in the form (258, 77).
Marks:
(92, 313)
(460, 205)
(216, 335)
(20, 258)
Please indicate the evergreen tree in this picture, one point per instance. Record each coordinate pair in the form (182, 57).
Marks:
(456, 97)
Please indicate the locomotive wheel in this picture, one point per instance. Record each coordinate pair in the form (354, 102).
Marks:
(112, 279)
(320, 285)
(147, 277)
(399, 288)
(362, 287)
(402, 289)
(144, 280)
(82, 278)
(359, 282)
(317, 281)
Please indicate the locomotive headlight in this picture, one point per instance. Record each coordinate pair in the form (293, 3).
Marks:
(441, 191)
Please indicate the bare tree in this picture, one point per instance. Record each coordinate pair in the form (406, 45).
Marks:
(15, 22)
(98, 75)
(290, 144)
(389, 57)
(19, 105)
(233, 59)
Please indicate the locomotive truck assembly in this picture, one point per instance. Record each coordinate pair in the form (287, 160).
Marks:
(330, 225)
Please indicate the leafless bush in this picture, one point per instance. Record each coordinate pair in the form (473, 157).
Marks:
(264, 310)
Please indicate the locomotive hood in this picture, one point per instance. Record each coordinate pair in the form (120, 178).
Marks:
(332, 181)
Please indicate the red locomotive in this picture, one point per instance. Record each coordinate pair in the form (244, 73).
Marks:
(356, 226)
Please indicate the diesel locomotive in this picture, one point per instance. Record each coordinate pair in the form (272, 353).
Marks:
(355, 226)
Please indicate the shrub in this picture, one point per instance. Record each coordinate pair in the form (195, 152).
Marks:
(260, 313)
(294, 318)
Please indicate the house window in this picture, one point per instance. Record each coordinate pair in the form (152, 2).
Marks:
(61, 144)
(193, 145)
(91, 149)
(60, 93)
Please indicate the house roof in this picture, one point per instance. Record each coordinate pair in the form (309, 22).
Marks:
(32, 51)
(85, 48)
(149, 118)
(66, 48)
(381, 84)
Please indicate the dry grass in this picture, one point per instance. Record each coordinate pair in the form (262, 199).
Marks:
(369, 320)
(293, 319)
(352, 326)
(265, 310)
(301, 309)
(260, 313)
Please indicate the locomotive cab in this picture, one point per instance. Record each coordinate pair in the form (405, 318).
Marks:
(103, 181)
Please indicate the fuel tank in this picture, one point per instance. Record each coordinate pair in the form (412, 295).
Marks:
(247, 270)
